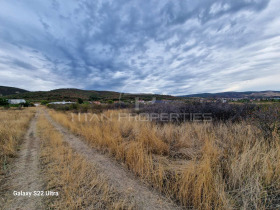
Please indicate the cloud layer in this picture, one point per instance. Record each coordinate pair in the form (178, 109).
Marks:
(167, 47)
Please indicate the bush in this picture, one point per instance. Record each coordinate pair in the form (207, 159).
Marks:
(44, 102)
(73, 106)
(26, 104)
(80, 101)
(3, 102)
(218, 111)
(110, 101)
(267, 119)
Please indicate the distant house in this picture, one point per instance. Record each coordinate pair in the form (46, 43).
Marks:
(62, 102)
(16, 101)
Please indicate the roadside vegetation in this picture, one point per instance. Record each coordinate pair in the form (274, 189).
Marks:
(77, 182)
(13, 126)
(231, 163)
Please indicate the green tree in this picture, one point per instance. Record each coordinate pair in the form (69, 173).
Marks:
(80, 101)
(3, 102)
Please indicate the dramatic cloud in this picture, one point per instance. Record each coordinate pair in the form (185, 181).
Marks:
(170, 47)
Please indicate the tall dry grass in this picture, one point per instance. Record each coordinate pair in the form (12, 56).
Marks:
(77, 182)
(202, 166)
(13, 126)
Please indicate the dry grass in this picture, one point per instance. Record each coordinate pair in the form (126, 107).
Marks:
(202, 166)
(78, 183)
(13, 126)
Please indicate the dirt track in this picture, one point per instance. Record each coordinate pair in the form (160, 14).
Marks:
(25, 173)
(124, 181)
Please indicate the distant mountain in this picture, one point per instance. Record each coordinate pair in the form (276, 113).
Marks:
(71, 94)
(10, 90)
(247, 94)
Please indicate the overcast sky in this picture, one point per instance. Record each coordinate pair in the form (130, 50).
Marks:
(169, 47)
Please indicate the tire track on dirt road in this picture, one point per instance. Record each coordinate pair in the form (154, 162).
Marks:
(123, 180)
(25, 173)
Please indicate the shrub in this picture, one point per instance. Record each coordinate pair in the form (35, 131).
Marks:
(110, 101)
(74, 106)
(3, 102)
(219, 111)
(267, 119)
(44, 102)
(27, 104)
(80, 101)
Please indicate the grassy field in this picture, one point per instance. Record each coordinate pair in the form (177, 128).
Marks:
(199, 165)
(13, 126)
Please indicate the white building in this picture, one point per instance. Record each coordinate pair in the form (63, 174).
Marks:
(16, 101)
(62, 102)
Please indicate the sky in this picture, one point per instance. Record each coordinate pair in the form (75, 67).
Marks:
(175, 47)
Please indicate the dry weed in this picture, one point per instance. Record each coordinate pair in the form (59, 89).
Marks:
(202, 166)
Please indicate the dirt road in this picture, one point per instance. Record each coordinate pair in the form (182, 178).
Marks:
(124, 181)
(25, 174)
